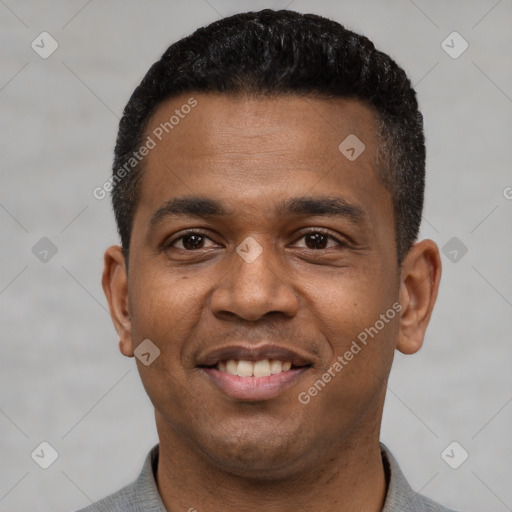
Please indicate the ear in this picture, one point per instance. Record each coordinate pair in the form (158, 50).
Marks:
(115, 286)
(419, 283)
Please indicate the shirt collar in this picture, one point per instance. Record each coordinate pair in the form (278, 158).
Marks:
(400, 493)
(146, 491)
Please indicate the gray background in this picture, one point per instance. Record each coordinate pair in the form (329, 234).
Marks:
(63, 379)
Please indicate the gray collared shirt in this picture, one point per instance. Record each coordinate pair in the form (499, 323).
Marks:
(142, 495)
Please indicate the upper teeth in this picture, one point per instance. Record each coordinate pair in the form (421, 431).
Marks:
(262, 368)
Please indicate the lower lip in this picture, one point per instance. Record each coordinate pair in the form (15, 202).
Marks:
(254, 388)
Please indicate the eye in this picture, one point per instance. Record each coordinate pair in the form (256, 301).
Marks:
(317, 239)
(190, 241)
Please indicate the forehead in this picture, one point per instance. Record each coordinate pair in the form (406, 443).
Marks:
(222, 125)
(257, 150)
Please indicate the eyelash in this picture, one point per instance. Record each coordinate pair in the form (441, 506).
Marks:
(192, 232)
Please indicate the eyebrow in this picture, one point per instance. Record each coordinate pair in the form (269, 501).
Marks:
(205, 208)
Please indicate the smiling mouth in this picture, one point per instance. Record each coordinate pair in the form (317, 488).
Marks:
(260, 368)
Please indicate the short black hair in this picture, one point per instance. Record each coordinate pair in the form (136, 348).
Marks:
(284, 53)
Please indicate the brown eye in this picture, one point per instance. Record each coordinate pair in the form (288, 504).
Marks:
(317, 240)
(190, 241)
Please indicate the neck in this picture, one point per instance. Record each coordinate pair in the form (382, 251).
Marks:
(346, 478)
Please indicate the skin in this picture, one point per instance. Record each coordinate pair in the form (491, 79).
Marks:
(251, 154)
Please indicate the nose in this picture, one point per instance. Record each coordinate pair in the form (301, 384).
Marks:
(255, 286)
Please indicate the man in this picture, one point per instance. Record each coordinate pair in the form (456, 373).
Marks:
(268, 188)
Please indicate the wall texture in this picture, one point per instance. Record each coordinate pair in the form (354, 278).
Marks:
(63, 380)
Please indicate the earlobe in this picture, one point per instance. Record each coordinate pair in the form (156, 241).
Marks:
(420, 277)
(115, 286)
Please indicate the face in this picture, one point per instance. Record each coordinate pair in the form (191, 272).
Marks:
(254, 229)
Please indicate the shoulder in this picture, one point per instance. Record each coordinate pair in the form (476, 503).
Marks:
(400, 495)
(139, 496)
(124, 500)
(120, 501)
(421, 503)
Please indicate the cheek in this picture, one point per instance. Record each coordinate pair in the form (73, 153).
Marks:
(347, 304)
(165, 307)
(357, 318)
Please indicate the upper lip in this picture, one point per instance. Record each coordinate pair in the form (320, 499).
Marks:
(254, 353)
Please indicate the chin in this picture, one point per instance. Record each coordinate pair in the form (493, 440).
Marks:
(266, 457)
